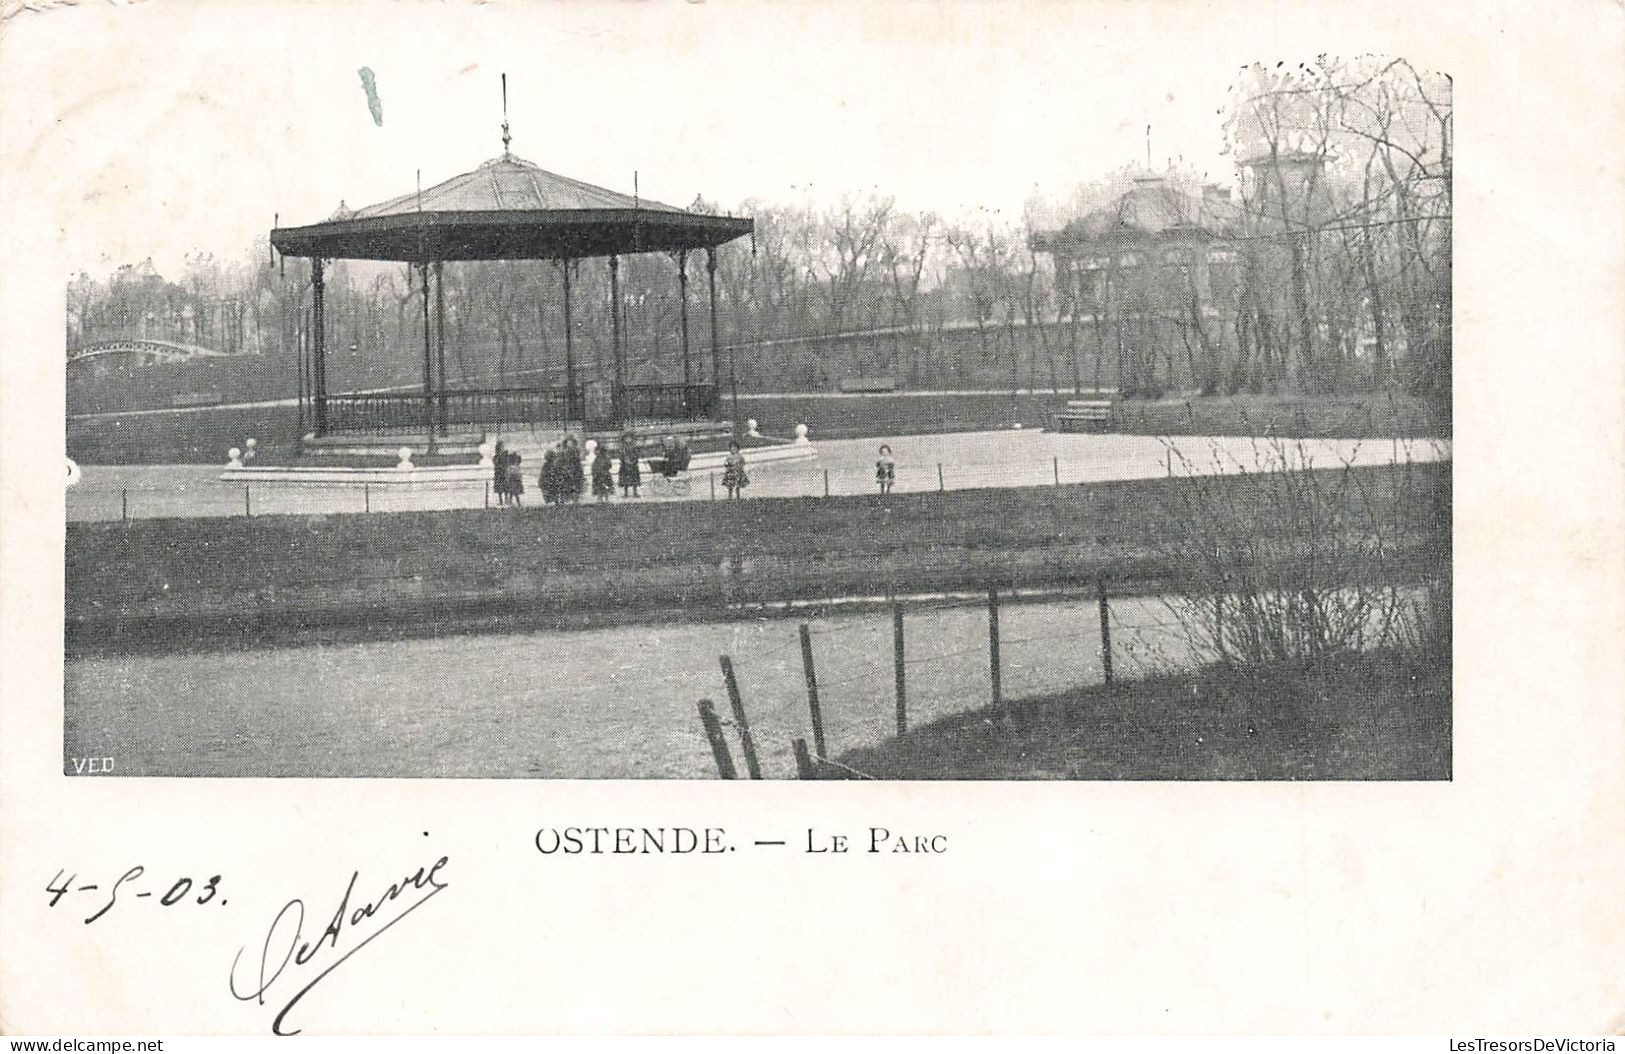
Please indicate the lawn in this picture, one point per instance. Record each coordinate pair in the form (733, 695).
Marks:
(1384, 715)
(184, 580)
(204, 436)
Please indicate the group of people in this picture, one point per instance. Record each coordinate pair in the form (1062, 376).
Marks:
(566, 472)
(508, 482)
(564, 477)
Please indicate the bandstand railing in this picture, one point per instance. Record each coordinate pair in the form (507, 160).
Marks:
(641, 404)
(538, 407)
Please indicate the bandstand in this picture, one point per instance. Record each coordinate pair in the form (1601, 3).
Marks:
(511, 209)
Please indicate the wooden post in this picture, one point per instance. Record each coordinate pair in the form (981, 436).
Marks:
(811, 676)
(124, 503)
(712, 476)
(746, 742)
(488, 494)
(1105, 634)
(826, 483)
(993, 645)
(1057, 470)
(805, 769)
(940, 485)
(248, 504)
(366, 497)
(719, 745)
(1169, 457)
(897, 661)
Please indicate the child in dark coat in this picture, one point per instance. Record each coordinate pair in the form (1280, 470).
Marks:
(516, 479)
(603, 479)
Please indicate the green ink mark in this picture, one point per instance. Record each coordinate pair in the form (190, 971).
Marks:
(369, 84)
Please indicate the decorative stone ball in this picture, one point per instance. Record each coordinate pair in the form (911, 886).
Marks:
(405, 454)
(235, 458)
(801, 433)
(1017, 425)
(487, 451)
(251, 443)
(751, 428)
(250, 448)
(591, 448)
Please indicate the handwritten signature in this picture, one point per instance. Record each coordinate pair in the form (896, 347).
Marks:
(285, 943)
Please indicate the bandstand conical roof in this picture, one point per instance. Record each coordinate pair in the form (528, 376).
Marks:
(507, 209)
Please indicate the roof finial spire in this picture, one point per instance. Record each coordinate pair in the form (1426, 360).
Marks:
(506, 138)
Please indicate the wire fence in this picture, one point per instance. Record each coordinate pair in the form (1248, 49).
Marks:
(841, 468)
(865, 677)
(862, 677)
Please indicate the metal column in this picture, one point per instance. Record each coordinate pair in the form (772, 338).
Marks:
(682, 294)
(569, 353)
(619, 397)
(716, 365)
(319, 343)
(440, 339)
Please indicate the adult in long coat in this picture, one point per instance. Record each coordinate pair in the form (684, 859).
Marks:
(572, 479)
(549, 478)
(631, 474)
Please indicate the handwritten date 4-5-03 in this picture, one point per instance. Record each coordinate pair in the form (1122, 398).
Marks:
(181, 890)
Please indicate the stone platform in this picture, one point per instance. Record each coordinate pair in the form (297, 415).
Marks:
(405, 473)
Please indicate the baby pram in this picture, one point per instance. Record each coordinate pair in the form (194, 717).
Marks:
(671, 471)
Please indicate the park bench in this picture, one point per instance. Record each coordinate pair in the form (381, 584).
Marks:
(866, 385)
(1086, 415)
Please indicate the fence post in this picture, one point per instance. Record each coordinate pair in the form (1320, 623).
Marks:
(712, 476)
(897, 658)
(1057, 470)
(488, 494)
(719, 746)
(993, 644)
(124, 503)
(366, 497)
(746, 743)
(1169, 457)
(826, 483)
(812, 691)
(1105, 633)
(940, 485)
(805, 770)
(248, 505)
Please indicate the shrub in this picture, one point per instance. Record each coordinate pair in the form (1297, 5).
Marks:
(1301, 566)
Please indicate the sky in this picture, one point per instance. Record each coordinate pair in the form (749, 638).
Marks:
(192, 127)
